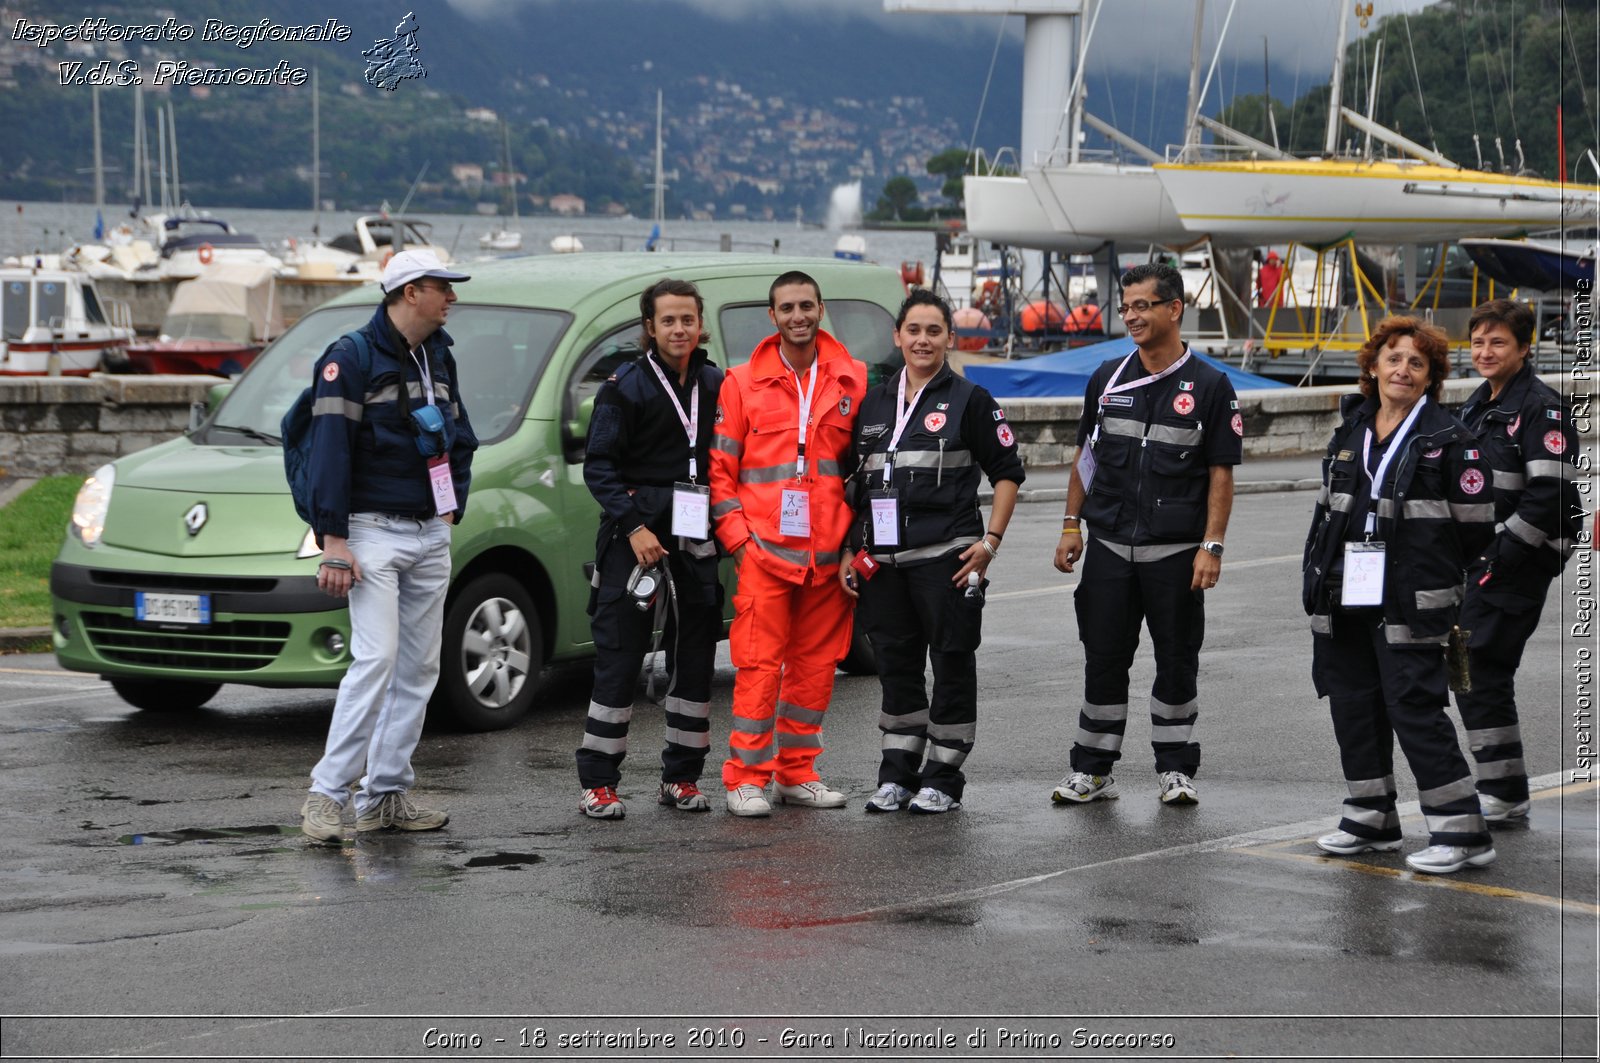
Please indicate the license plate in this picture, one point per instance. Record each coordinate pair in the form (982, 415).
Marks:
(189, 610)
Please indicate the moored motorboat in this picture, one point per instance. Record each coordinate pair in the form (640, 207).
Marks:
(53, 321)
(1543, 265)
(215, 324)
(192, 243)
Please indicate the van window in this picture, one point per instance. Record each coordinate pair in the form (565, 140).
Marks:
(603, 357)
(865, 328)
(14, 309)
(499, 355)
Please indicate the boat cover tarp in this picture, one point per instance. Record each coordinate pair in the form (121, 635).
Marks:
(1066, 373)
(233, 289)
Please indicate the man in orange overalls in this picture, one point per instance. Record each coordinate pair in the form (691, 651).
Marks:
(777, 495)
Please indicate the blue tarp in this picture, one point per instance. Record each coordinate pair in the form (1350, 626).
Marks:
(1066, 373)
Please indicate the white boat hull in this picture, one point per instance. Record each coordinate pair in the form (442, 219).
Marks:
(1322, 202)
(1005, 210)
(1102, 202)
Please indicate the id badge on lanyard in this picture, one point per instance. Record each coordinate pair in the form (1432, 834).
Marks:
(886, 502)
(691, 510)
(444, 488)
(794, 517)
(1363, 574)
(885, 518)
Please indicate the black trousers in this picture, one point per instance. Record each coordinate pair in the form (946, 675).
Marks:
(1114, 597)
(913, 615)
(622, 634)
(1500, 632)
(1377, 693)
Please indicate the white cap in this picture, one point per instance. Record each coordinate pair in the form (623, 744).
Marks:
(409, 266)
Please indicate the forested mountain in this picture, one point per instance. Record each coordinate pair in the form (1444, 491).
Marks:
(1468, 77)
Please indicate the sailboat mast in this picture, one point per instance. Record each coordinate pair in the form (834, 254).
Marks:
(1191, 128)
(316, 157)
(161, 156)
(99, 161)
(172, 132)
(1330, 143)
(661, 181)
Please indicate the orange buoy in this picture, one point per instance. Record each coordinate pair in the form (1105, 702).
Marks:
(206, 254)
(1042, 316)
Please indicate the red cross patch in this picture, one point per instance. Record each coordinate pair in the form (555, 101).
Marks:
(1555, 442)
(933, 422)
(1183, 404)
(1005, 435)
(1238, 426)
(330, 372)
(1472, 481)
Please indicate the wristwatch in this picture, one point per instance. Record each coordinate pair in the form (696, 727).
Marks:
(1212, 547)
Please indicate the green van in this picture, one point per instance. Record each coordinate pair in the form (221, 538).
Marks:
(185, 567)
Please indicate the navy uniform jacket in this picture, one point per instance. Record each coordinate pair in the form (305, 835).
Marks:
(1435, 514)
(637, 446)
(1528, 438)
(1155, 452)
(363, 443)
(956, 430)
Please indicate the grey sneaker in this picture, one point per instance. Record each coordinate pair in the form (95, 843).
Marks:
(810, 794)
(1343, 843)
(1178, 789)
(890, 797)
(1081, 787)
(396, 811)
(931, 802)
(321, 819)
(748, 799)
(1445, 859)
(1499, 810)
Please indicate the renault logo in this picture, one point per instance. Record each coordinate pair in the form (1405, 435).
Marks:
(195, 519)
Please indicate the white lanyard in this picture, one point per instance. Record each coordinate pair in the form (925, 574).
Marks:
(691, 420)
(422, 368)
(902, 417)
(1383, 466)
(805, 411)
(1113, 388)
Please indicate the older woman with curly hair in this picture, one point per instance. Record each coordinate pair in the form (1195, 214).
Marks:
(1404, 507)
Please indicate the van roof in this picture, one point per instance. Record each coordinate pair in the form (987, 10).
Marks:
(567, 280)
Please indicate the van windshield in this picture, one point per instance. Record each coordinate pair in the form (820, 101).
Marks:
(499, 353)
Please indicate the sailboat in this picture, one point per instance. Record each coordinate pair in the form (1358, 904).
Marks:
(502, 238)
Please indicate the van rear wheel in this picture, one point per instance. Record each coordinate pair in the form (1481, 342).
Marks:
(164, 695)
(491, 657)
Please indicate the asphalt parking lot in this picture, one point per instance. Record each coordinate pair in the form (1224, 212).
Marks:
(155, 875)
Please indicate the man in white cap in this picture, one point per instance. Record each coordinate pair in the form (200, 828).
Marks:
(392, 461)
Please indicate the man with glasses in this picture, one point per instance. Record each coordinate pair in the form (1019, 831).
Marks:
(1153, 481)
(392, 460)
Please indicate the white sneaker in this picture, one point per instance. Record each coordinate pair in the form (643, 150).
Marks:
(890, 797)
(810, 794)
(1498, 810)
(1444, 859)
(1178, 789)
(1343, 843)
(930, 801)
(748, 799)
(321, 819)
(1080, 787)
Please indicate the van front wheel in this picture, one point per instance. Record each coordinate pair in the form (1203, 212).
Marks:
(492, 655)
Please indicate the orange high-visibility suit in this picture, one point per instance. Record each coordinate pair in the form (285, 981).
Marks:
(791, 625)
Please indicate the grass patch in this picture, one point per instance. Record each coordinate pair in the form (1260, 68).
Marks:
(31, 528)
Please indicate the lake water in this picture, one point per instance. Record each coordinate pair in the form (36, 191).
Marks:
(47, 227)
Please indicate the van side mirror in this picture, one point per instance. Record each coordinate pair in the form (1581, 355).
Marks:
(575, 432)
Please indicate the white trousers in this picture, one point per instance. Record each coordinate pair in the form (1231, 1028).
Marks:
(396, 625)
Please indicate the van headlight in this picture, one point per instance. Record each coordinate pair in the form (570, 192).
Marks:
(89, 510)
(308, 545)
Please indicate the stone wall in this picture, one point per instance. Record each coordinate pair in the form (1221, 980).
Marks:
(54, 425)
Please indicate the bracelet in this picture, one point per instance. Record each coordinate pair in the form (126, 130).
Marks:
(1069, 518)
(335, 562)
(992, 551)
(1071, 531)
(997, 535)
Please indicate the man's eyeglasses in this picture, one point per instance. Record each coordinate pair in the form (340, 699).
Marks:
(1141, 306)
(446, 288)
